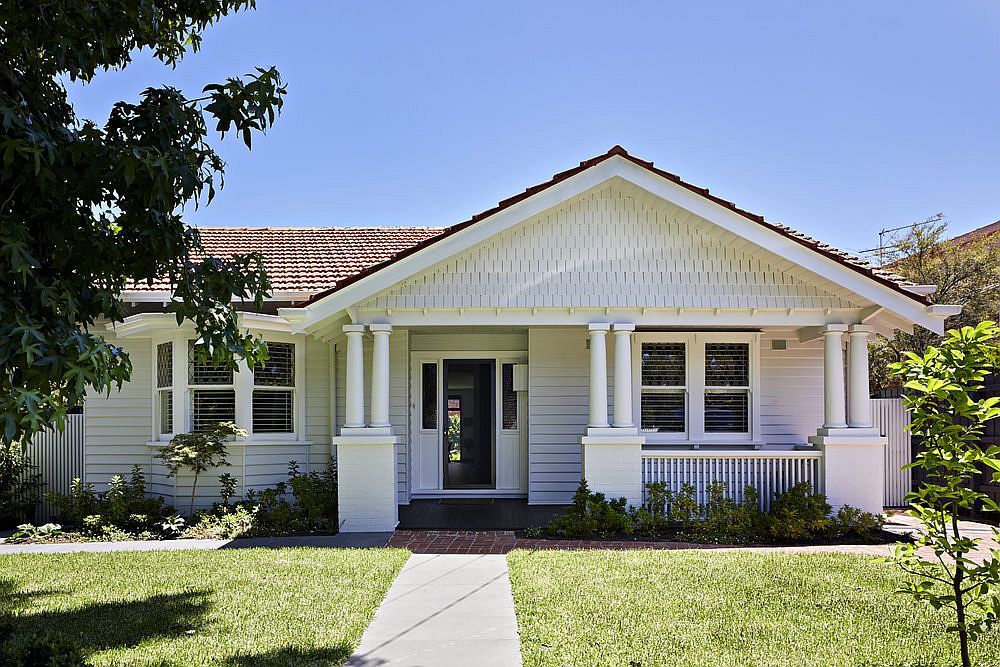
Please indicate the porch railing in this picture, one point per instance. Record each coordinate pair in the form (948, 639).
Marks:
(769, 472)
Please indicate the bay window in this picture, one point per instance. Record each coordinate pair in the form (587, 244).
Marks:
(193, 395)
(697, 388)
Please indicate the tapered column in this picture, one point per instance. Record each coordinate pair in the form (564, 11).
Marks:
(859, 405)
(380, 375)
(354, 392)
(599, 375)
(835, 405)
(623, 376)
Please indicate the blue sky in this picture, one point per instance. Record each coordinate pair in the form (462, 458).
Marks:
(837, 119)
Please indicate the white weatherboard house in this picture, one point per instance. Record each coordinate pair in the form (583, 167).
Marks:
(614, 323)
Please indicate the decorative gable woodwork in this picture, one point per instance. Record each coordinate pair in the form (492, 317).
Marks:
(615, 246)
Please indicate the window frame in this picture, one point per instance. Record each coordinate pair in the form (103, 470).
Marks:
(696, 389)
(684, 389)
(242, 385)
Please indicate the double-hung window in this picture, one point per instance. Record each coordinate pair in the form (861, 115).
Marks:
(727, 388)
(696, 387)
(274, 391)
(663, 396)
(213, 396)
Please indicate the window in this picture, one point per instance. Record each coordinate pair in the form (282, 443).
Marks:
(508, 397)
(273, 407)
(165, 387)
(210, 404)
(696, 387)
(727, 388)
(429, 409)
(663, 398)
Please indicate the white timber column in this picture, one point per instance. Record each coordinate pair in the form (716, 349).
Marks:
(599, 375)
(623, 376)
(611, 457)
(834, 400)
(853, 457)
(380, 375)
(366, 455)
(354, 392)
(859, 404)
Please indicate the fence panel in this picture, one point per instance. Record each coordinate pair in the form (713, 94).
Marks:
(892, 420)
(58, 456)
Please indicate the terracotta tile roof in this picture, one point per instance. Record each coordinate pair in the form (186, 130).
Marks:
(310, 259)
(992, 229)
(853, 262)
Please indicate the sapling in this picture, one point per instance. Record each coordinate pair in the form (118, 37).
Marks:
(198, 452)
(939, 387)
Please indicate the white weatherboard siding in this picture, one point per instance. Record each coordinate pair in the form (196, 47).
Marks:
(611, 248)
(558, 409)
(791, 384)
(119, 425)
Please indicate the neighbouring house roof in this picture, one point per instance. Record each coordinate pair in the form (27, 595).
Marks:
(992, 229)
(321, 261)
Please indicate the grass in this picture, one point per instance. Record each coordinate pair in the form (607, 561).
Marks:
(238, 607)
(645, 608)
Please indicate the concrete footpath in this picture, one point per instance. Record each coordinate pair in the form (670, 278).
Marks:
(444, 610)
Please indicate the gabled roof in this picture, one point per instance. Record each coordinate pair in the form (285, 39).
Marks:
(990, 230)
(882, 276)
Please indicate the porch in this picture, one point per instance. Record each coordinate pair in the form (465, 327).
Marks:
(478, 434)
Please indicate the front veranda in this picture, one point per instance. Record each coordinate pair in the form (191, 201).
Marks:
(473, 414)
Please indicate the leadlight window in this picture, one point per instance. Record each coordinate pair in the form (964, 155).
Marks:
(273, 408)
(663, 396)
(727, 388)
(165, 387)
(428, 379)
(508, 397)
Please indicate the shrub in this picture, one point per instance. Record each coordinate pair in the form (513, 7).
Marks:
(20, 489)
(798, 514)
(224, 525)
(123, 512)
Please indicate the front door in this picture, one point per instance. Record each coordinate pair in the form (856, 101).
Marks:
(469, 426)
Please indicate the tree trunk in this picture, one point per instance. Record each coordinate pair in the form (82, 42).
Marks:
(957, 580)
(194, 485)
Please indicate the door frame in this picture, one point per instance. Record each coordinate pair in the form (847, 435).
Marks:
(417, 432)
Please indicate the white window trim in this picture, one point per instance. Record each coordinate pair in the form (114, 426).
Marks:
(694, 345)
(243, 386)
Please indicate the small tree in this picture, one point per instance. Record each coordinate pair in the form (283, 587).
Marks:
(950, 424)
(198, 452)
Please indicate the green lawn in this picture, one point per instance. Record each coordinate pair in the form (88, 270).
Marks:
(646, 608)
(237, 607)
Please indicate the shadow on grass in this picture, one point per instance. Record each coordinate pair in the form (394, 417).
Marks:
(103, 625)
(286, 656)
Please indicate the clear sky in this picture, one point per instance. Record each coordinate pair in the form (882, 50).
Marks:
(837, 119)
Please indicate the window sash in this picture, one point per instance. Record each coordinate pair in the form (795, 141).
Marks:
(273, 411)
(165, 410)
(211, 406)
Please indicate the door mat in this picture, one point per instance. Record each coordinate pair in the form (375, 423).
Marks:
(465, 501)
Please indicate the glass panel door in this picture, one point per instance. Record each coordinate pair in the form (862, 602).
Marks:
(469, 423)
